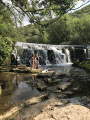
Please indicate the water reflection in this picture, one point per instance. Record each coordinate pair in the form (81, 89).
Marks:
(24, 91)
(16, 87)
(15, 80)
(25, 87)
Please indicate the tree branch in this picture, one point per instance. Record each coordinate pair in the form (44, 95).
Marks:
(81, 5)
(27, 12)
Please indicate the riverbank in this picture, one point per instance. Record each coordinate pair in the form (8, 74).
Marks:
(19, 69)
(84, 65)
(11, 110)
(16, 109)
(51, 109)
(60, 104)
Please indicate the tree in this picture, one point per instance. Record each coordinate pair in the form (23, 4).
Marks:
(41, 12)
(71, 28)
(8, 34)
(5, 50)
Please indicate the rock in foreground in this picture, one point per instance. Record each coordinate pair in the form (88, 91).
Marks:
(60, 111)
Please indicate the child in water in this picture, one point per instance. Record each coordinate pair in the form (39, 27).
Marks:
(36, 61)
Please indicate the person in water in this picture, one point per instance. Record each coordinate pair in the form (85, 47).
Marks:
(17, 59)
(33, 61)
(36, 61)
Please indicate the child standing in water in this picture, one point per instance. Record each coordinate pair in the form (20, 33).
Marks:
(36, 61)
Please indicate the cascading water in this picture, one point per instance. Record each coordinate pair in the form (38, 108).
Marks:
(68, 56)
(88, 52)
(49, 54)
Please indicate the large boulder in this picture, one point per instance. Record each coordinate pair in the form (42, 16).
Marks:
(64, 111)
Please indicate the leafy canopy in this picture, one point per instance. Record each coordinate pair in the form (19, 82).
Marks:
(42, 12)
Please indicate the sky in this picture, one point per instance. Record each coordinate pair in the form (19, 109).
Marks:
(78, 4)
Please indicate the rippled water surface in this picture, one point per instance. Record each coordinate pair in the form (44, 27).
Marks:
(16, 88)
(20, 87)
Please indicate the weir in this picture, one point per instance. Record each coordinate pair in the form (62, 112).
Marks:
(50, 54)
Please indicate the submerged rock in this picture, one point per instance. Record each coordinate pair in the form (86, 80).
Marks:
(64, 85)
(47, 74)
(41, 85)
(15, 110)
(69, 93)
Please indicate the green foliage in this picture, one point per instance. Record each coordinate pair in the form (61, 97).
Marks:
(40, 11)
(32, 34)
(8, 35)
(85, 65)
(71, 29)
(5, 49)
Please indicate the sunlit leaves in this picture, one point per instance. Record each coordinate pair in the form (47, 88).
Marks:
(5, 49)
(43, 9)
(71, 29)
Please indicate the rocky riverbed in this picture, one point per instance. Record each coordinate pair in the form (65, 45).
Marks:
(63, 111)
(65, 96)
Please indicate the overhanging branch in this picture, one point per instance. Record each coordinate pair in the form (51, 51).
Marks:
(32, 13)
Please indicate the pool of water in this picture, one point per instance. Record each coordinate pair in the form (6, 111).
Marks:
(19, 87)
(80, 83)
(16, 88)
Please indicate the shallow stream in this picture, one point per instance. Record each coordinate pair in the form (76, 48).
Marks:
(17, 88)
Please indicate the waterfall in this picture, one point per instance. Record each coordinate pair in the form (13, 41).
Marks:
(88, 52)
(48, 54)
(68, 56)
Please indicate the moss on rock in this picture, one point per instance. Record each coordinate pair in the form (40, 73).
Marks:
(85, 65)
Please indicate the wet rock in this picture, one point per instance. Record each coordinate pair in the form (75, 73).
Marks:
(52, 81)
(57, 91)
(69, 93)
(58, 75)
(63, 96)
(65, 101)
(59, 96)
(15, 110)
(48, 80)
(19, 69)
(41, 85)
(65, 79)
(64, 85)
(56, 80)
(49, 88)
(88, 105)
(46, 75)
(35, 99)
(75, 88)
